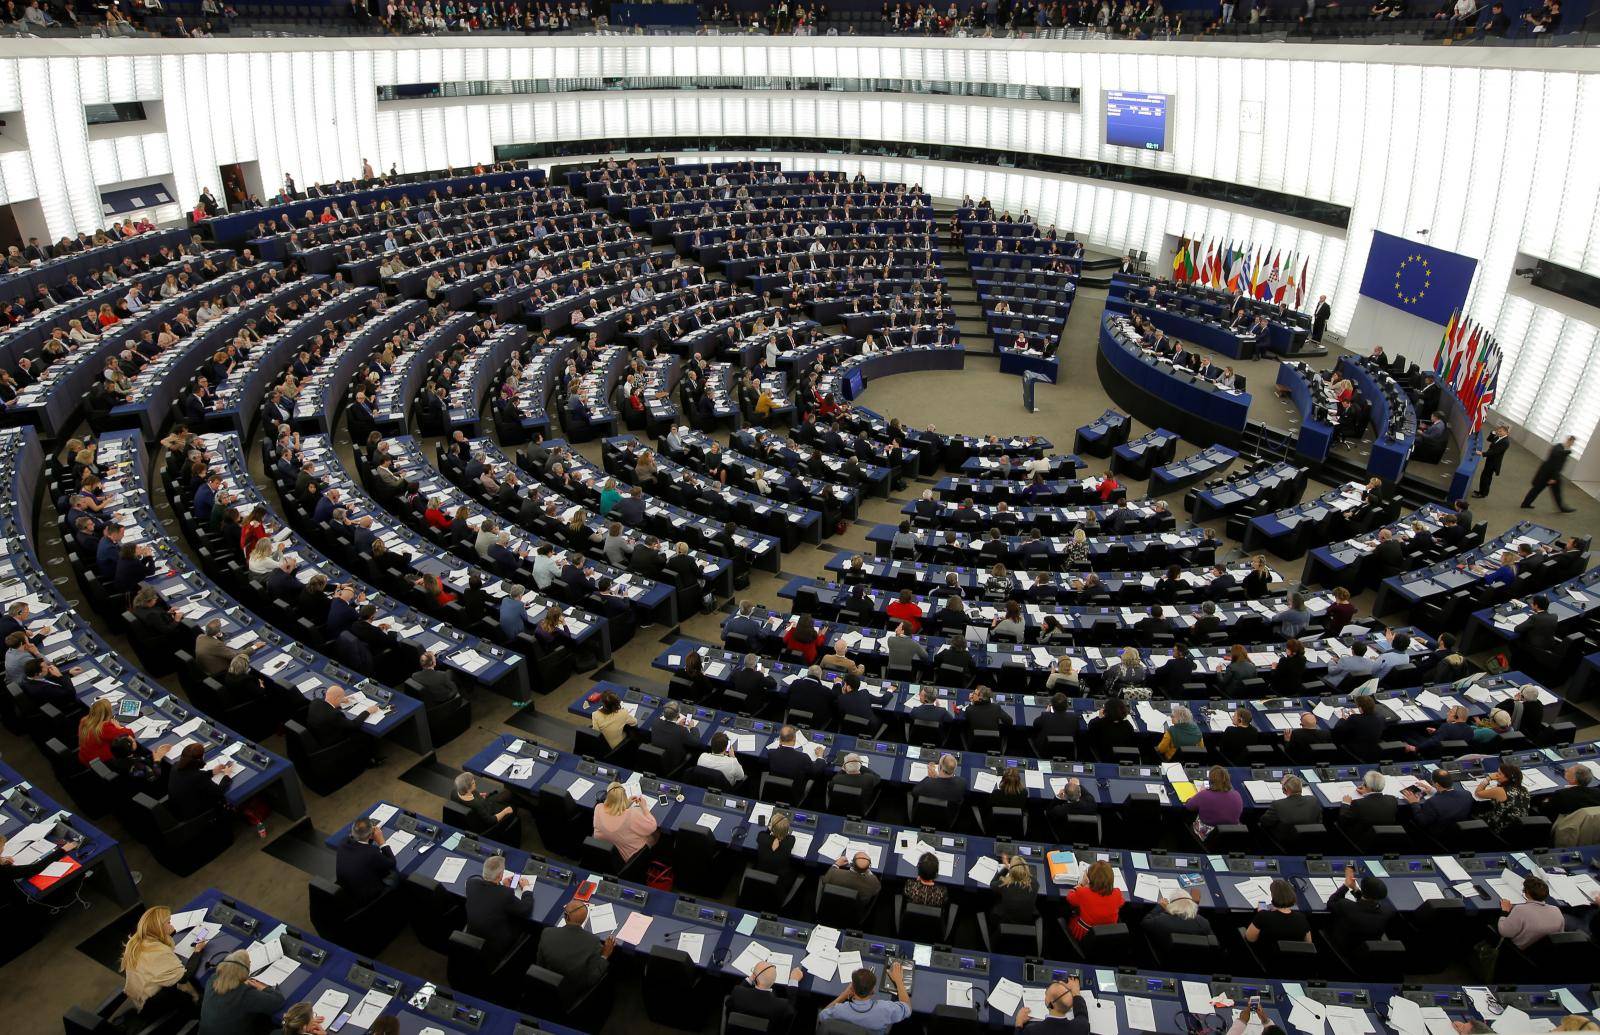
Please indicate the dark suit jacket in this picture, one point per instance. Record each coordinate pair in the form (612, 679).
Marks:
(1368, 811)
(793, 764)
(1439, 811)
(672, 739)
(573, 953)
(1538, 632)
(1291, 812)
(361, 870)
(437, 686)
(495, 914)
(941, 788)
(190, 793)
(328, 726)
(772, 1004)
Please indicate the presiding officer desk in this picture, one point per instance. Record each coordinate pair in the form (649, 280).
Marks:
(283, 661)
(335, 980)
(1186, 402)
(1229, 884)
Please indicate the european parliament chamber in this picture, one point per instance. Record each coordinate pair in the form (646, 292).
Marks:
(688, 518)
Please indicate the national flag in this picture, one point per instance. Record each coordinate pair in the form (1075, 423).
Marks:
(1192, 270)
(1491, 381)
(1180, 262)
(1440, 354)
(1288, 282)
(1203, 271)
(1219, 265)
(1458, 367)
(1269, 281)
(1300, 291)
(1236, 269)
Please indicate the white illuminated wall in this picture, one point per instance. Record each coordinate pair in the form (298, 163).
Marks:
(1487, 156)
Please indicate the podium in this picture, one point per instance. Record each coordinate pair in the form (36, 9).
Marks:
(1030, 378)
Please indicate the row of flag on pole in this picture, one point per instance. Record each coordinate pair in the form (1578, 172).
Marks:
(1242, 269)
(1468, 361)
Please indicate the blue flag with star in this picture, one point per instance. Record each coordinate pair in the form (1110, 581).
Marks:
(1414, 278)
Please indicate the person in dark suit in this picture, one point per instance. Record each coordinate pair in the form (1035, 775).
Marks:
(1358, 912)
(436, 685)
(928, 708)
(761, 996)
(1580, 792)
(811, 694)
(1368, 807)
(1361, 731)
(943, 782)
(497, 911)
(1388, 557)
(789, 761)
(669, 734)
(1438, 808)
(191, 793)
(982, 713)
(330, 728)
(854, 773)
(1493, 455)
(1319, 317)
(364, 865)
(1059, 720)
(1168, 680)
(581, 958)
(1538, 632)
(44, 683)
(1180, 915)
(1548, 476)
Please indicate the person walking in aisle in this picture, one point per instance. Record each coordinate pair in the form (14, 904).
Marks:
(1548, 476)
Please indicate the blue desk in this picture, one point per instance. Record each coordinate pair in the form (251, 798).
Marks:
(49, 827)
(321, 393)
(1191, 546)
(1170, 396)
(859, 370)
(1106, 432)
(1179, 474)
(1019, 362)
(1199, 330)
(282, 660)
(323, 967)
(1389, 451)
(1316, 436)
(230, 229)
(1275, 483)
(1343, 563)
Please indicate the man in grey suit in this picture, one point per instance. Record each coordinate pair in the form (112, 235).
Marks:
(905, 652)
(1291, 810)
(577, 955)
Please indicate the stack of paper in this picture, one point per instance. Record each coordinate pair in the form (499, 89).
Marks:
(369, 1009)
(602, 919)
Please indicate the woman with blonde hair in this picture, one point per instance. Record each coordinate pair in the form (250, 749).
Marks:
(234, 1002)
(97, 731)
(264, 557)
(1016, 896)
(775, 848)
(625, 822)
(1077, 550)
(153, 971)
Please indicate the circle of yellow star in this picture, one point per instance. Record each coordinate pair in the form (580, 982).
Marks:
(1427, 279)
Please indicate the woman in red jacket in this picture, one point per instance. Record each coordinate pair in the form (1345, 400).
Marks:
(1108, 486)
(436, 592)
(97, 731)
(1096, 900)
(254, 530)
(435, 515)
(906, 610)
(804, 640)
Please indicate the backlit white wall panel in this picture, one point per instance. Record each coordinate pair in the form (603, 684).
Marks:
(1484, 150)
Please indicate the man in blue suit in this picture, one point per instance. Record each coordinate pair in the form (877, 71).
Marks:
(364, 865)
(514, 617)
(1440, 807)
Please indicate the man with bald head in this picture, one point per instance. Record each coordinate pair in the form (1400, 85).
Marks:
(763, 996)
(854, 873)
(1066, 1013)
(581, 958)
(943, 782)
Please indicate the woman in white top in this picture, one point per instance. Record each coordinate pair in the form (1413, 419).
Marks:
(264, 556)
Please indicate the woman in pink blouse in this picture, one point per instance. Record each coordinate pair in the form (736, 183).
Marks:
(625, 822)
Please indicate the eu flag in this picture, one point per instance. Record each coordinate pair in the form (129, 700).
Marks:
(1414, 278)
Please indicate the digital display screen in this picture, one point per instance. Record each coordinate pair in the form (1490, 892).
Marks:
(1136, 120)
